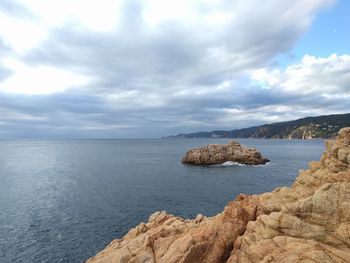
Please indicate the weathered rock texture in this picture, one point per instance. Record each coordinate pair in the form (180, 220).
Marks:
(221, 153)
(307, 222)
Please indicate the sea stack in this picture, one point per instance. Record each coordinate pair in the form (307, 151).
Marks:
(221, 153)
(307, 222)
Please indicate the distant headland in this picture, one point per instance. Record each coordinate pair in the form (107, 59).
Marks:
(325, 126)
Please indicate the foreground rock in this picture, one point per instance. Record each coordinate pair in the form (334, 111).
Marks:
(307, 222)
(221, 153)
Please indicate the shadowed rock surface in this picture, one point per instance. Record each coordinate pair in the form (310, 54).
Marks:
(307, 222)
(221, 153)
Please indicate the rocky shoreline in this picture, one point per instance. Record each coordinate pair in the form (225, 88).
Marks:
(221, 153)
(307, 222)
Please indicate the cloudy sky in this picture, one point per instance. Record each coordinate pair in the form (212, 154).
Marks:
(147, 68)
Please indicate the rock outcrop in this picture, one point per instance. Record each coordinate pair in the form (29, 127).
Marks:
(221, 153)
(307, 222)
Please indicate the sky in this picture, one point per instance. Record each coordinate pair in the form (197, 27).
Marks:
(73, 69)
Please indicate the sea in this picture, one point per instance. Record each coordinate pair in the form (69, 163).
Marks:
(63, 201)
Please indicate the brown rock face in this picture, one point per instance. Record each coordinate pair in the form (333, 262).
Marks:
(167, 238)
(221, 153)
(308, 222)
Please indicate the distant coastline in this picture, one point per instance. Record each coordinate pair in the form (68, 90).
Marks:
(325, 126)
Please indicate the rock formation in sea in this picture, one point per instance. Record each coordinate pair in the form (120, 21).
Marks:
(221, 153)
(307, 222)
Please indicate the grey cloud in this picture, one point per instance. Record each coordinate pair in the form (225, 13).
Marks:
(61, 120)
(166, 80)
(176, 53)
(4, 73)
(72, 116)
(13, 8)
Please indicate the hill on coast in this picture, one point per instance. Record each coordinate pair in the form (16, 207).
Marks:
(326, 126)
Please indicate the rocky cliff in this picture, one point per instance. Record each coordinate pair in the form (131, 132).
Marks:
(307, 222)
(221, 153)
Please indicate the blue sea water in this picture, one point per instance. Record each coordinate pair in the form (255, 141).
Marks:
(63, 201)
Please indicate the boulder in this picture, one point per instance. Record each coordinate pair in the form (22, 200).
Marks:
(221, 153)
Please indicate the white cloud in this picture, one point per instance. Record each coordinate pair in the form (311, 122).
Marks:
(39, 79)
(21, 34)
(329, 77)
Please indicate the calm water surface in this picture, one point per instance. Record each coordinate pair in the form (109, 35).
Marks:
(62, 201)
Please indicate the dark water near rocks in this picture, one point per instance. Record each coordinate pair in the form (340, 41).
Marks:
(62, 201)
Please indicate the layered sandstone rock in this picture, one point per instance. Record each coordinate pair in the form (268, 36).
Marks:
(221, 153)
(308, 222)
(170, 239)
